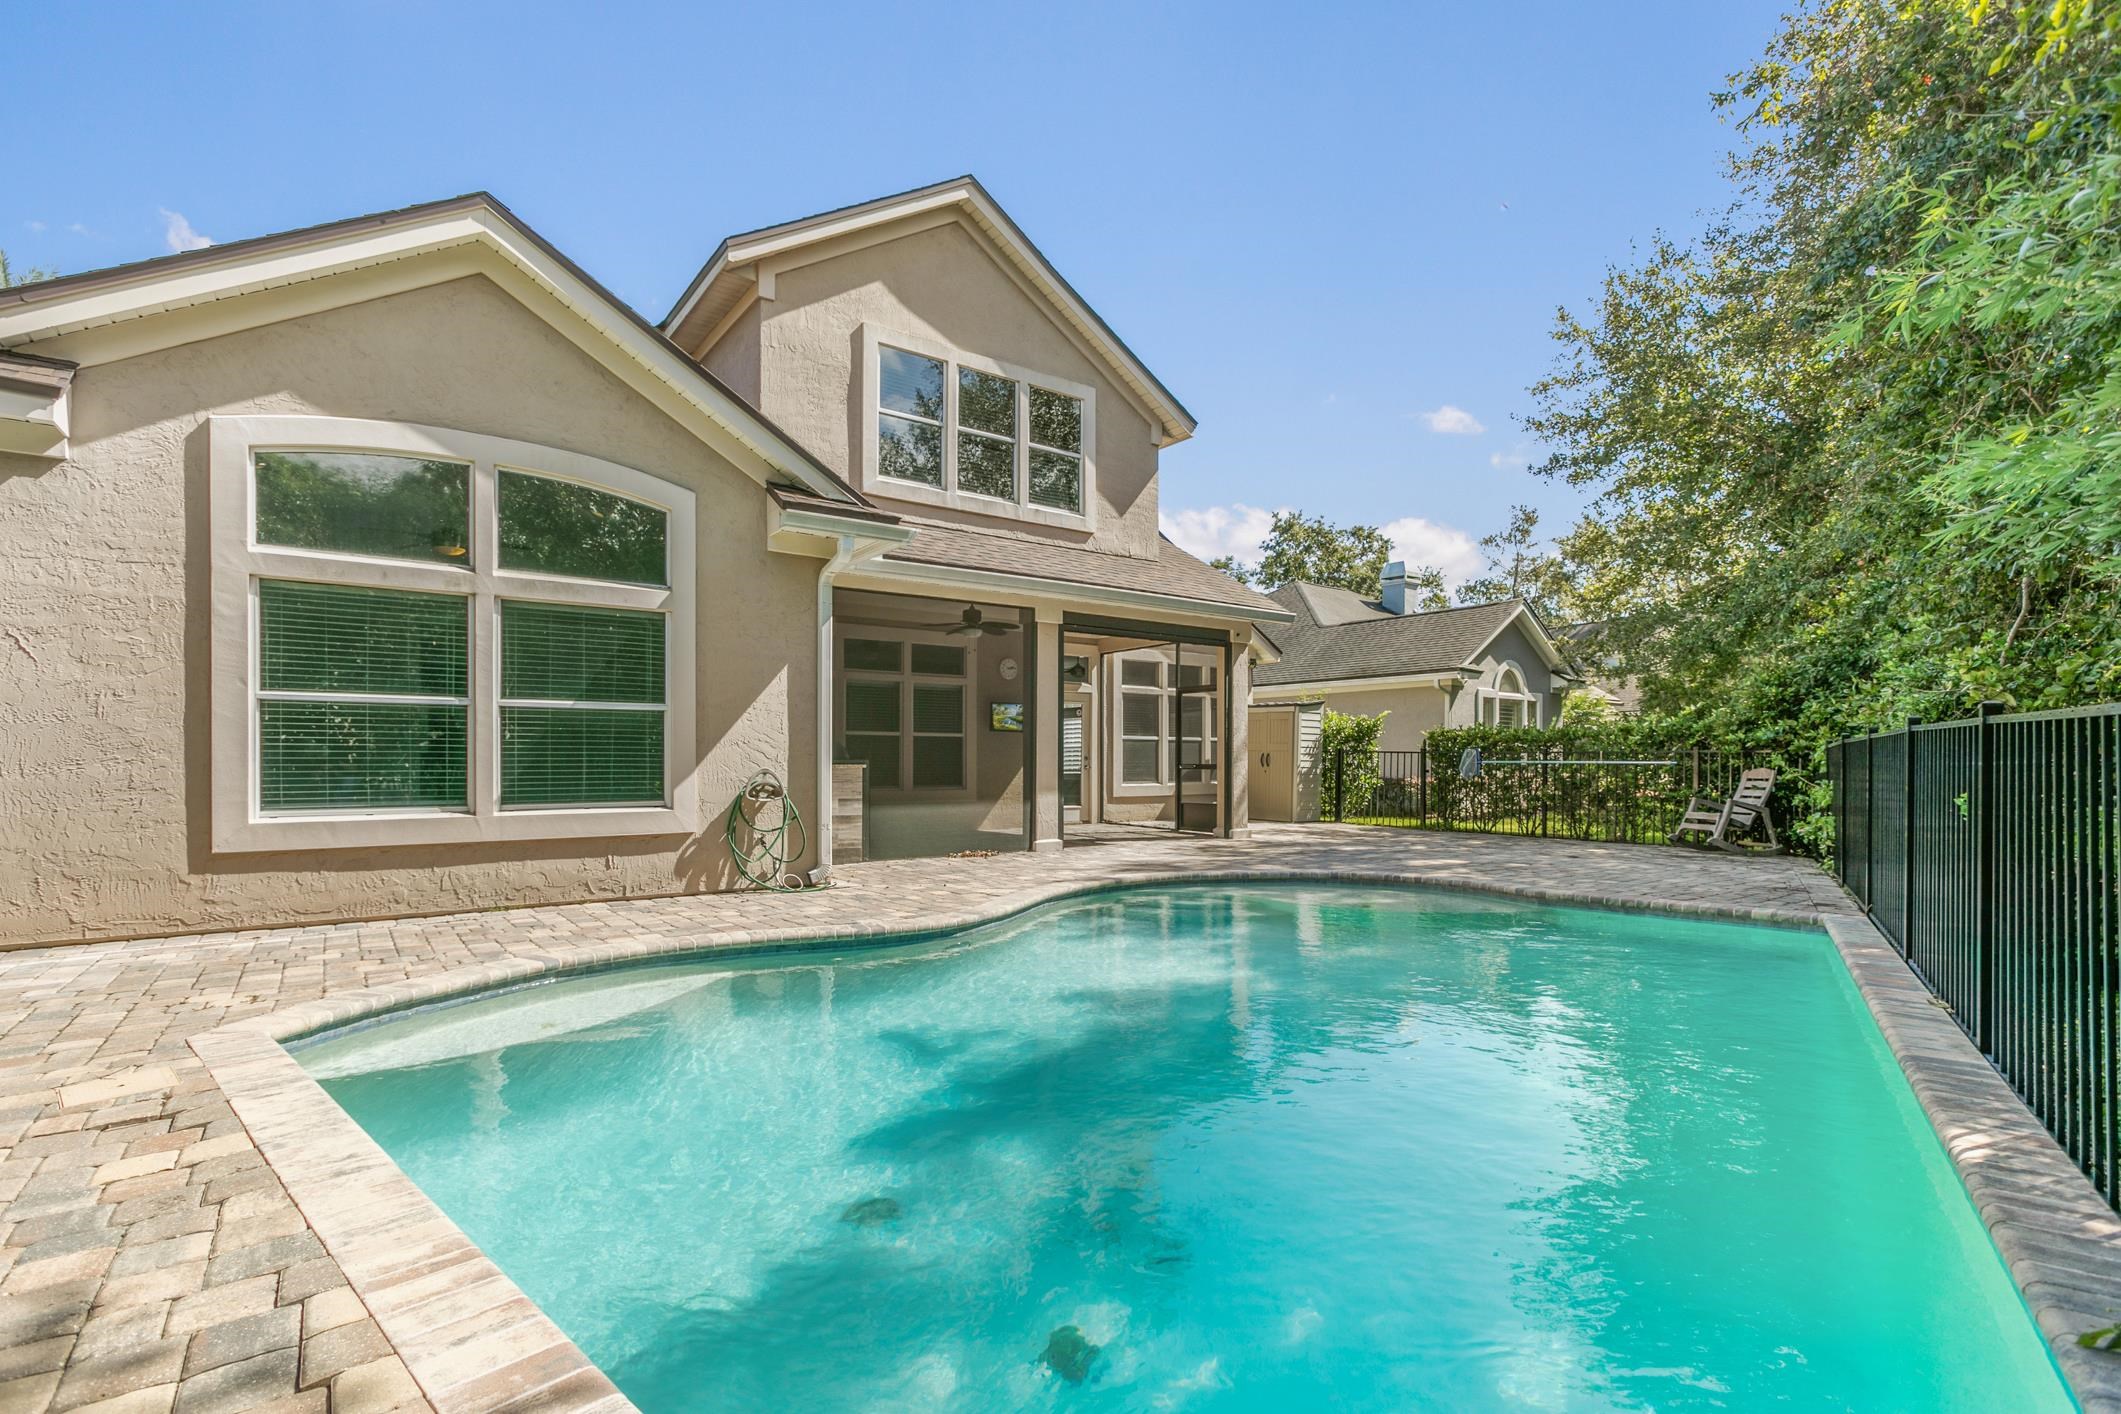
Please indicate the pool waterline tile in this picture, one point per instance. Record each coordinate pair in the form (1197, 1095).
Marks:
(385, 1234)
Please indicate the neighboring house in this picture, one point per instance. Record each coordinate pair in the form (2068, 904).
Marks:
(1491, 664)
(393, 566)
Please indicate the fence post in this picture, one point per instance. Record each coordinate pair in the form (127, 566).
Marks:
(1340, 777)
(1870, 817)
(1695, 787)
(1984, 820)
(1907, 839)
(1546, 789)
(1421, 787)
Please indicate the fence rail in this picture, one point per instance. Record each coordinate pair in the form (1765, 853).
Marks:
(1989, 852)
(1578, 798)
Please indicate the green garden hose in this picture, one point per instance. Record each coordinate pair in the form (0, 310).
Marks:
(766, 833)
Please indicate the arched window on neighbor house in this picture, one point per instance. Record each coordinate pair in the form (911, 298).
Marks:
(1509, 703)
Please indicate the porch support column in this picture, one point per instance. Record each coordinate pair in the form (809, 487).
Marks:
(1237, 738)
(827, 704)
(1046, 732)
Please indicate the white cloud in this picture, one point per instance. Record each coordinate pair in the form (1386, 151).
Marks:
(34, 225)
(1506, 461)
(1419, 541)
(1453, 421)
(178, 232)
(1212, 531)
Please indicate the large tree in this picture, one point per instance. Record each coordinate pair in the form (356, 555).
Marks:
(1854, 447)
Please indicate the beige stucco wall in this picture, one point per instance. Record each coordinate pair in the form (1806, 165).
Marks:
(941, 285)
(104, 692)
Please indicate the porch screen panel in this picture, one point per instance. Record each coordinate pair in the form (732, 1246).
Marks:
(362, 698)
(582, 705)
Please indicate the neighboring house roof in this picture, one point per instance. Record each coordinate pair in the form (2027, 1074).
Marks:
(1337, 635)
(49, 310)
(741, 263)
(1173, 574)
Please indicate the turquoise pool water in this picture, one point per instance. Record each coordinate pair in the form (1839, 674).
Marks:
(1270, 1147)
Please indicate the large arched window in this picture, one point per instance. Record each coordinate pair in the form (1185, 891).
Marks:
(423, 635)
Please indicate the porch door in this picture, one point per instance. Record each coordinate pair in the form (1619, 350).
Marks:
(1195, 745)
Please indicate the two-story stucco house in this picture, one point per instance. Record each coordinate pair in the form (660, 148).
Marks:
(394, 566)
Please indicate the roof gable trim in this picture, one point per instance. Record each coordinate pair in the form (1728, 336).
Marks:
(752, 258)
(627, 343)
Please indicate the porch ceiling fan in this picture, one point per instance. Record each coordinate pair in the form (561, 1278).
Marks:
(972, 622)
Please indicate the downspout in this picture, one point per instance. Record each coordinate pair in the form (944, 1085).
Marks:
(822, 832)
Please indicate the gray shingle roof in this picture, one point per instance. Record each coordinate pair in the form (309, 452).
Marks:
(1339, 635)
(1173, 572)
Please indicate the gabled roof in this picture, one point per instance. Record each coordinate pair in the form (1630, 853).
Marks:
(59, 313)
(1337, 635)
(733, 271)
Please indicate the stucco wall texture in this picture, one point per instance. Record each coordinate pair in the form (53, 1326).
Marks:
(938, 284)
(104, 773)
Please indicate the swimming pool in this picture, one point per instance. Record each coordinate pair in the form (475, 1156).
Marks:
(1257, 1146)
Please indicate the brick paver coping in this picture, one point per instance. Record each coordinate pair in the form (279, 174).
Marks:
(188, 1223)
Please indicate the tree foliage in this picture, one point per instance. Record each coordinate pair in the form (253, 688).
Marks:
(1856, 449)
(1314, 550)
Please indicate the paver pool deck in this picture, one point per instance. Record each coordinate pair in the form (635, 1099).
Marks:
(187, 1222)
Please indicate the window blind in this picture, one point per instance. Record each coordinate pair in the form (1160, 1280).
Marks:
(582, 695)
(322, 650)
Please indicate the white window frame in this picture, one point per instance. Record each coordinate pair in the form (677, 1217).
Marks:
(1492, 698)
(869, 399)
(1122, 788)
(238, 562)
(907, 679)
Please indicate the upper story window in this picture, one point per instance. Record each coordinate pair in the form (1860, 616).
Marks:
(466, 639)
(952, 429)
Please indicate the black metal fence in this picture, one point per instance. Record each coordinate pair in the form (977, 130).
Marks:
(1636, 801)
(1989, 852)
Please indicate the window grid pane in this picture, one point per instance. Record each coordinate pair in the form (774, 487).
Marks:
(1056, 421)
(562, 652)
(909, 383)
(360, 756)
(875, 655)
(1140, 672)
(939, 660)
(939, 761)
(986, 403)
(337, 639)
(1141, 714)
(909, 450)
(580, 756)
(1056, 481)
(1138, 763)
(938, 709)
(986, 467)
(872, 707)
(550, 526)
(360, 503)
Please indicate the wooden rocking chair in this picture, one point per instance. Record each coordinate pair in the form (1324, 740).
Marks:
(1725, 821)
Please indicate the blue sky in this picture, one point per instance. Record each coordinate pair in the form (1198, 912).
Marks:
(1339, 233)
